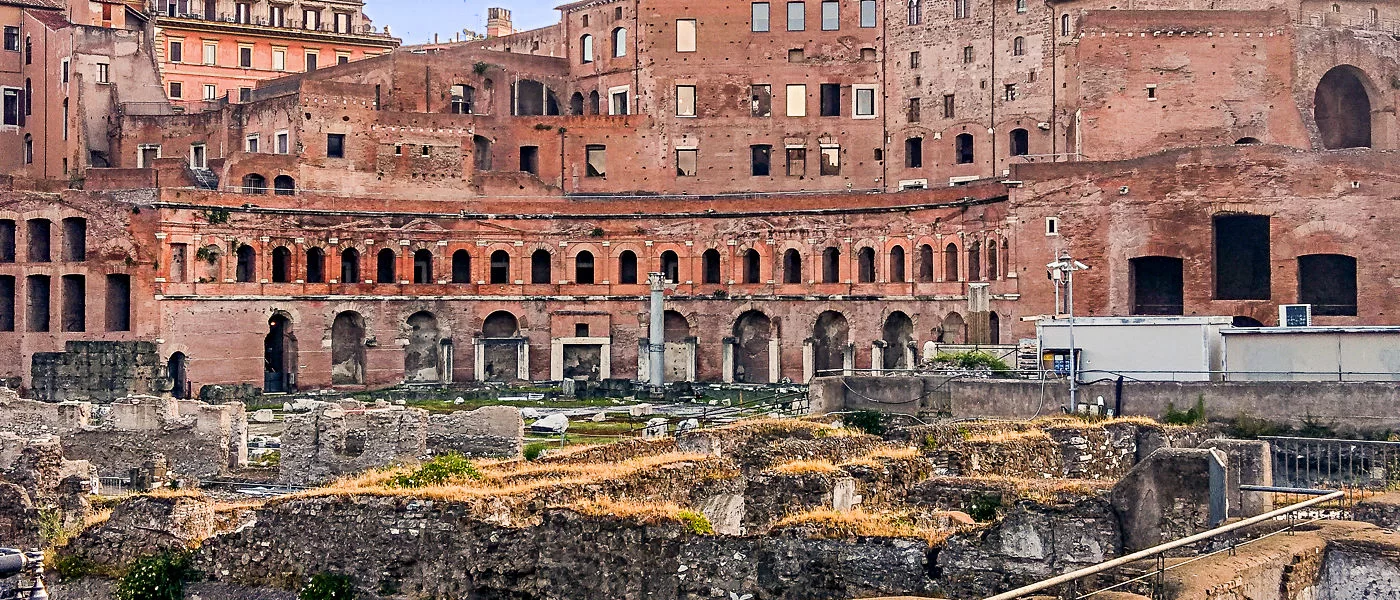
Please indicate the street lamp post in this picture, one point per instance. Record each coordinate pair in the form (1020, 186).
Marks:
(1062, 273)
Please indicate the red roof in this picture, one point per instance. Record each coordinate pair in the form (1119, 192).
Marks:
(52, 20)
(54, 4)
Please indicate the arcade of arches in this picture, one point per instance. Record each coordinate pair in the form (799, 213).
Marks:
(367, 345)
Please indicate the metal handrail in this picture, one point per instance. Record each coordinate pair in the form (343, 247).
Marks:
(1160, 549)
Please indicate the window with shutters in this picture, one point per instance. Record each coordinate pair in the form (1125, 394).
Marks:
(177, 51)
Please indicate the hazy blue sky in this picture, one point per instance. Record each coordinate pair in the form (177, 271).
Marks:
(417, 20)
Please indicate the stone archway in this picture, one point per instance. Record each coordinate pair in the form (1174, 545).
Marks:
(422, 358)
(1342, 109)
(898, 332)
(753, 333)
(830, 336)
(348, 349)
(279, 356)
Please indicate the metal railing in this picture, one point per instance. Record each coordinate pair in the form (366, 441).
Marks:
(1157, 575)
(1330, 19)
(1357, 467)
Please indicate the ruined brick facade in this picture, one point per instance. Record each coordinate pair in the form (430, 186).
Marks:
(489, 210)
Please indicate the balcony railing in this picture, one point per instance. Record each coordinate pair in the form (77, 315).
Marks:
(288, 24)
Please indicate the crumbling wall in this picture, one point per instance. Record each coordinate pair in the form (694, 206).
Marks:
(19, 520)
(201, 440)
(402, 544)
(1168, 496)
(142, 526)
(487, 431)
(100, 372)
(331, 441)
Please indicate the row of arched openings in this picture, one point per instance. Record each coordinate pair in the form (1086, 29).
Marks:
(282, 185)
(992, 266)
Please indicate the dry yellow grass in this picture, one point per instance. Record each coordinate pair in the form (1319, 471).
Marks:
(643, 512)
(787, 427)
(504, 479)
(830, 524)
(1039, 490)
(1000, 437)
(97, 518)
(806, 467)
(886, 453)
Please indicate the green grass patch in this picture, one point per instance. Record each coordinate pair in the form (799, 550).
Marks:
(695, 522)
(157, 577)
(442, 470)
(328, 586)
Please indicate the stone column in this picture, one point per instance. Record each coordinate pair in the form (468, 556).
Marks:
(809, 365)
(979, 306)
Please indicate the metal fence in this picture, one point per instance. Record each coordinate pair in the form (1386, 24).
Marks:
(1359, 468)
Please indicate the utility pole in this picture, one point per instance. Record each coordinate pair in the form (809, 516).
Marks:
(1062, 273)
(657, 343)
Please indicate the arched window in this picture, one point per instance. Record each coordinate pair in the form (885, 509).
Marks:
(583, 267)
(386, 273)
(792, 266)
(619, 42)
(315, 265)
(350, 266)
(627, 267)
(710, 264)
(461, 267)
(586, 49)
(247, 267)
(916, 16)
(423, 266)
(831, 265)
(1020, 142)
(281, 265)
(1375, 16)
(671, 266)
(576, 104)
(500, 267)
(1064, 24)
(1018, 46)
(897, 264)
(595, 102)
(284, 185)
(1336, 8)
(865, 260)
(950, 263)
(541, 271)
(925, 263)
(962, 148)
(753, 263)
(254, 183)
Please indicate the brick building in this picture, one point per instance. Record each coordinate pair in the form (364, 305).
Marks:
(490, 209)
(211, 50)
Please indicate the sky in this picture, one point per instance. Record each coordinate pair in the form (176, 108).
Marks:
(415, 21)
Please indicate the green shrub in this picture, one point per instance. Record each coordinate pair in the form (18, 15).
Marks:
(970, 361)
(328, 586)
(70, 567)
(984, 508)
(534, 451)
(157, 577)
(1314, 427)
(443, 470)
(869, 421)
(1193, 416)
(697, 523)
(1249, 428)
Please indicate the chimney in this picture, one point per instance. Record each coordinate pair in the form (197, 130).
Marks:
(498, 23)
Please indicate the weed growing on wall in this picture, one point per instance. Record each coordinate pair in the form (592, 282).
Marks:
(869, 421)
(443, 470)
(328, 586)
(1196, 415)
(157, 577)
(535, 451)
(697, 523)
